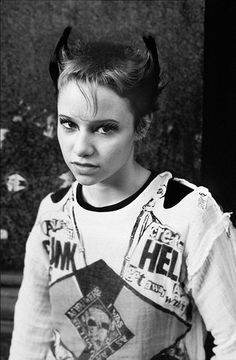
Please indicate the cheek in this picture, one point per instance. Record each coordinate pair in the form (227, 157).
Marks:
(59, 137)
(117, 151)
(64, 146)
(64, 141)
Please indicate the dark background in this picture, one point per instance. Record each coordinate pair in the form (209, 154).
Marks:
(218, 170)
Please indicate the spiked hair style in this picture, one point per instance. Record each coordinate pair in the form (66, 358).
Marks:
(131, 73)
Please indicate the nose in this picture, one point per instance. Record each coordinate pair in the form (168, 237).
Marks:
(83, 145)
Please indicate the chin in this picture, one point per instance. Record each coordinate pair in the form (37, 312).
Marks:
(86, 180)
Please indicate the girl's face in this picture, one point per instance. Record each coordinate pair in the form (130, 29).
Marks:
(97, 147)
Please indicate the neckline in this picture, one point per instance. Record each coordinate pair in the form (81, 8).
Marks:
(113, 207)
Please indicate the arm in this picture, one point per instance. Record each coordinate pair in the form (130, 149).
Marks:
(32, 324)
(212, 279)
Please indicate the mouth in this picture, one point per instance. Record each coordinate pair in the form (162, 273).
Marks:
(84, 165)
(84, 168)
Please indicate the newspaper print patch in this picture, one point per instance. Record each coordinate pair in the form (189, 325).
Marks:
(154, 266)
(100, 326)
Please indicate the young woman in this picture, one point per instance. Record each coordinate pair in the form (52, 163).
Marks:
(126, 263)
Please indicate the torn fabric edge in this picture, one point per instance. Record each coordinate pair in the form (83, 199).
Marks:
(194, 262)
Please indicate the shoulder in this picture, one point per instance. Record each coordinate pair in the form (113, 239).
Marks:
(59, 194)
(54, 201)
(52, 208)
(208, 226)
(200, 198)
(197, 205)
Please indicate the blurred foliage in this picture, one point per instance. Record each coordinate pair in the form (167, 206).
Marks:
(30, 30)
(28, 152)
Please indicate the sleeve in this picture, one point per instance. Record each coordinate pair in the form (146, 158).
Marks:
(32, 324)
(211, 263)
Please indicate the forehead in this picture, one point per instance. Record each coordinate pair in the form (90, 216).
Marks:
(86, 102)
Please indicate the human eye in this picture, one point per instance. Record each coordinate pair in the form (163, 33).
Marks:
(67, 123)
(107, 128)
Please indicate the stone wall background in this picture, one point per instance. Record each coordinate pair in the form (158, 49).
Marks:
(32, 164)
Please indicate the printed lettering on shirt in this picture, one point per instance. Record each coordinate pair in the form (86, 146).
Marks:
(50, 227)
(61, 247)
(61, 254)
(154, 264)
(100, 326)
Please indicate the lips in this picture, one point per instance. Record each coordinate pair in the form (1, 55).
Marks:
(85, 169)
(84, 165)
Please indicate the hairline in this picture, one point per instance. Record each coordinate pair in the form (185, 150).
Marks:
(92, 86)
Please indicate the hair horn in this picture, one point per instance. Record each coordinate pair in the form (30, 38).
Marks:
(54, 65)
(152, 49)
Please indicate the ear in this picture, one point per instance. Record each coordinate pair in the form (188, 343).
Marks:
(143, 126)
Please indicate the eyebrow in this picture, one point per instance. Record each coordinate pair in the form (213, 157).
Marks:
(97, 121)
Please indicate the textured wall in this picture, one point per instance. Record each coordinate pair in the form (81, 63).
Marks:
(31, 161)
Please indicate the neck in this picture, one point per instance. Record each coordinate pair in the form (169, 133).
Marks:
(117, 188)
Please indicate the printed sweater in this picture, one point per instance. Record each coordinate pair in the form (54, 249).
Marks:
(128, 281)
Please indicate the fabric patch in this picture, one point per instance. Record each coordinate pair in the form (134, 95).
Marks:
(100, 326)
(154, 261)
(175, 352)
(101, 315)
(59, 350)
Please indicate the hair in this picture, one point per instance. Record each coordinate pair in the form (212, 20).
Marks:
(131, 73)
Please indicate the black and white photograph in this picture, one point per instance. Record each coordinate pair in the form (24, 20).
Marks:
(118, 177)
